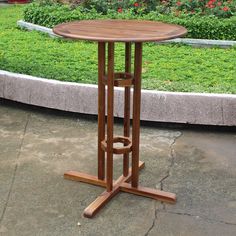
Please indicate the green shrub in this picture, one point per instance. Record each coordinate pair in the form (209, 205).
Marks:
(205, 27)
(219, 8)
(52, 15)
(136, 6)
(173, 67)
(103, 6)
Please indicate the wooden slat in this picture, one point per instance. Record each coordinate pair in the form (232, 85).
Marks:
(149, 192)
(127, 107)
(96, 205)
(85, 178)
(122, 79)
(136, 113)
(110, 116)
(101, 109)
(106, 196)
(91, 179)
(141, 166)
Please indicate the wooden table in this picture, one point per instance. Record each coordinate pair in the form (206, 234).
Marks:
(108, 32)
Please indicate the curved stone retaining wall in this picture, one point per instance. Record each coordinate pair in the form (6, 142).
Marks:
(192, 108)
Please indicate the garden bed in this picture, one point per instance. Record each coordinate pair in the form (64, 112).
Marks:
(165, 67)
(193, 42)
(175, 68)
(199, 27)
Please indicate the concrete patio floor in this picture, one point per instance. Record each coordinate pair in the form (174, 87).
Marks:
(38, 145)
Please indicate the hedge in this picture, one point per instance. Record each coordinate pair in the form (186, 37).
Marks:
(203, 27)
(172, 67)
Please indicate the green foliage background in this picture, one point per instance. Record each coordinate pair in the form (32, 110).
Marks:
(165, 67)
(201, 27)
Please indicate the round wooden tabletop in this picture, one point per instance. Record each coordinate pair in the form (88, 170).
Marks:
(119, 30)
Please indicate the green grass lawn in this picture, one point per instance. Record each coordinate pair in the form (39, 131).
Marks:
(165, 67)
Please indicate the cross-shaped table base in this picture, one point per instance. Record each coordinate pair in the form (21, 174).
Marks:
(121, 184)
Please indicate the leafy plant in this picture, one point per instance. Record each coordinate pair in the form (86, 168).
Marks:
(205, 27)
(219, 8)
(165, 67)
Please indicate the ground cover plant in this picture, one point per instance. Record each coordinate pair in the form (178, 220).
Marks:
(165, 67)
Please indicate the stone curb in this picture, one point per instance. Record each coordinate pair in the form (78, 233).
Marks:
(177, 107)
(193, 42)
(30, 26)
(202, 42)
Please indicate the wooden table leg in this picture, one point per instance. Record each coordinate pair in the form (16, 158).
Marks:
(136, 113)
(101, 108)
(110, 118)
(127, 107)
(129, 174)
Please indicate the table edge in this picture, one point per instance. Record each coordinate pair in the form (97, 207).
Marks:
(97, 39)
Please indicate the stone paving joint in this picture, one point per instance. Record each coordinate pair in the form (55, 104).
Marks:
(15, 169)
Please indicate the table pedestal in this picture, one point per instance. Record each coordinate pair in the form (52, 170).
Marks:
(106, 139)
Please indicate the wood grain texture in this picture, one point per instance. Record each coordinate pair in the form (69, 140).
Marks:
(110, 115)
(126, 148)
(149, 192)
(85, 178)
(91, 179)
(119, 30)
(128, 49)
(106, 196)
(96, 205)
(136, 113)
(111, 31)
(122, 79)
(101, 108)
